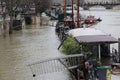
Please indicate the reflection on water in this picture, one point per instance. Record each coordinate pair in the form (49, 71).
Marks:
(38, 43)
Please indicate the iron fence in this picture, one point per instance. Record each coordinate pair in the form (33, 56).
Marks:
(68, 62)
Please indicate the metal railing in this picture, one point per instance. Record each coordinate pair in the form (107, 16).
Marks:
(68, 62)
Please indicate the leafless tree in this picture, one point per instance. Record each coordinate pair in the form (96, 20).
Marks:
(12, 5)
(42, 5)
(27, 3)
(3, 12)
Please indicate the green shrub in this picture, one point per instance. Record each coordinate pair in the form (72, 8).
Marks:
(70, 46)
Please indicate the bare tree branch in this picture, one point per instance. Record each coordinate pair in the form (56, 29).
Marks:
(41, 5)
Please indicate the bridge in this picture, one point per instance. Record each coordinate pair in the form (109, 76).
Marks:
(86, 4)
(108, 4)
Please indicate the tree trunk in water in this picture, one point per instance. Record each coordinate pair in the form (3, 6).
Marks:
(4, 23)
(41, 20)
(3, 15)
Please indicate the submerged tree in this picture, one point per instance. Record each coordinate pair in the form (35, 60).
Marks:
(12, 5)
(3, 13)
(39, 5)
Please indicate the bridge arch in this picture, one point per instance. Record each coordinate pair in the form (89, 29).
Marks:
(108, 4)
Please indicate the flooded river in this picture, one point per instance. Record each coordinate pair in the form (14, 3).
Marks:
(38, 43)
(26, 47)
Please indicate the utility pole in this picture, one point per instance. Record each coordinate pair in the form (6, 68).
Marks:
(64, 12)
(78, 14)
(72, 13)
(11, 18)
(64, 8)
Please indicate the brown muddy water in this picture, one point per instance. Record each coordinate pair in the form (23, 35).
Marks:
(25, 47)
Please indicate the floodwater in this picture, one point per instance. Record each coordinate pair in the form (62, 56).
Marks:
(35, 43)
(25, 47)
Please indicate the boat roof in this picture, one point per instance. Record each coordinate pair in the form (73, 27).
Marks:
(91, 35)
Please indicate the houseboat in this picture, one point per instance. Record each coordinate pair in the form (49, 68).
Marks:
(97, 41)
